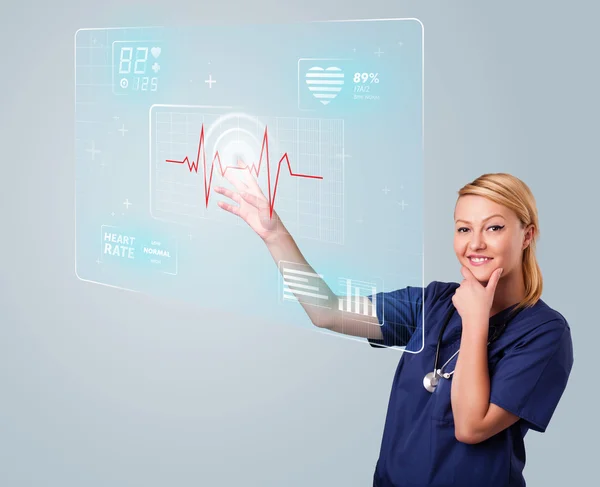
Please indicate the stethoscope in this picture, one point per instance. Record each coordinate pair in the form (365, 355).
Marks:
(432, 379)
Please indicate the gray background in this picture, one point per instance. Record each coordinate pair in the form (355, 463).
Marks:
(101, 387)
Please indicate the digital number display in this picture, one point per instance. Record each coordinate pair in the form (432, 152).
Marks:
(136, 66)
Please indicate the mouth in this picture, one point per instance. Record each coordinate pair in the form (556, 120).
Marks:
(479, 261)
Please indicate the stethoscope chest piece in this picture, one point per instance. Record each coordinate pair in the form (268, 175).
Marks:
(430, 381)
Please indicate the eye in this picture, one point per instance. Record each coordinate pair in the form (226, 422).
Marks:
(499, 227)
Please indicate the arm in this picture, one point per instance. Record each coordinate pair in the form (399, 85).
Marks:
(253, 207)
(475, 418)
(283, 247)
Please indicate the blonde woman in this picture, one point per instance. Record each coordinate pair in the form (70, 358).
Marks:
(496, 358)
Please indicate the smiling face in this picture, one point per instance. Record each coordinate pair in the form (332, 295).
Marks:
(487, 229)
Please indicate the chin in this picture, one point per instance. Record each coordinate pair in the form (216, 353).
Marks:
(484, 275)
(481, 273)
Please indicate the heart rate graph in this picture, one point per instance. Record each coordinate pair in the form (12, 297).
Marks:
(252, 169)
(305, 186)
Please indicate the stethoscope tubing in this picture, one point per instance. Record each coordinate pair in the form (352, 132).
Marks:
(445, 325)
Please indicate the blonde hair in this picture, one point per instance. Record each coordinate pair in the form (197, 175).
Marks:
(511, 192)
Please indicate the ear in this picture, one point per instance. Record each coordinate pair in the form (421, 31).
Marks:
(529, 233)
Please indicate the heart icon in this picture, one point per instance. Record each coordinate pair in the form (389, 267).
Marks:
(325, 84)
(155, 52)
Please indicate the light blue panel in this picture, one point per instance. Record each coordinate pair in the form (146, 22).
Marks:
(328, 114)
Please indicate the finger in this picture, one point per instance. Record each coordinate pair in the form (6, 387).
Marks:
(493, 282)
(247, 176)
(234, 178)
(467, 274)
(230, 208)
(230, 194)
(244, 170)
(259, 203)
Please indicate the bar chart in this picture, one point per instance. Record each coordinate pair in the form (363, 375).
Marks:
(356, 297)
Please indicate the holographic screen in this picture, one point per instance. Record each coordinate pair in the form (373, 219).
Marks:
(325, 117)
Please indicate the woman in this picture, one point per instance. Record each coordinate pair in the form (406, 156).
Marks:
(464, 425)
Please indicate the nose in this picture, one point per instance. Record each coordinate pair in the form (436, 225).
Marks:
(477, 241)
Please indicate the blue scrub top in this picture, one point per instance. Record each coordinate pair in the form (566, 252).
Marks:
(529, 366)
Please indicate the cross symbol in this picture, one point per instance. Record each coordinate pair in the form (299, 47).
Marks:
(379, 52)
(190, 235)
(127, 203)
(403, 204)
(93, 150)
(210, 81)
(123, 130)
(98, 261)
(386, 190)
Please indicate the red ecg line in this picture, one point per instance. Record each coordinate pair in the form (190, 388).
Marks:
(193, 166)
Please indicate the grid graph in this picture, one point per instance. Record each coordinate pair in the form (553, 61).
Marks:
(297, 162)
